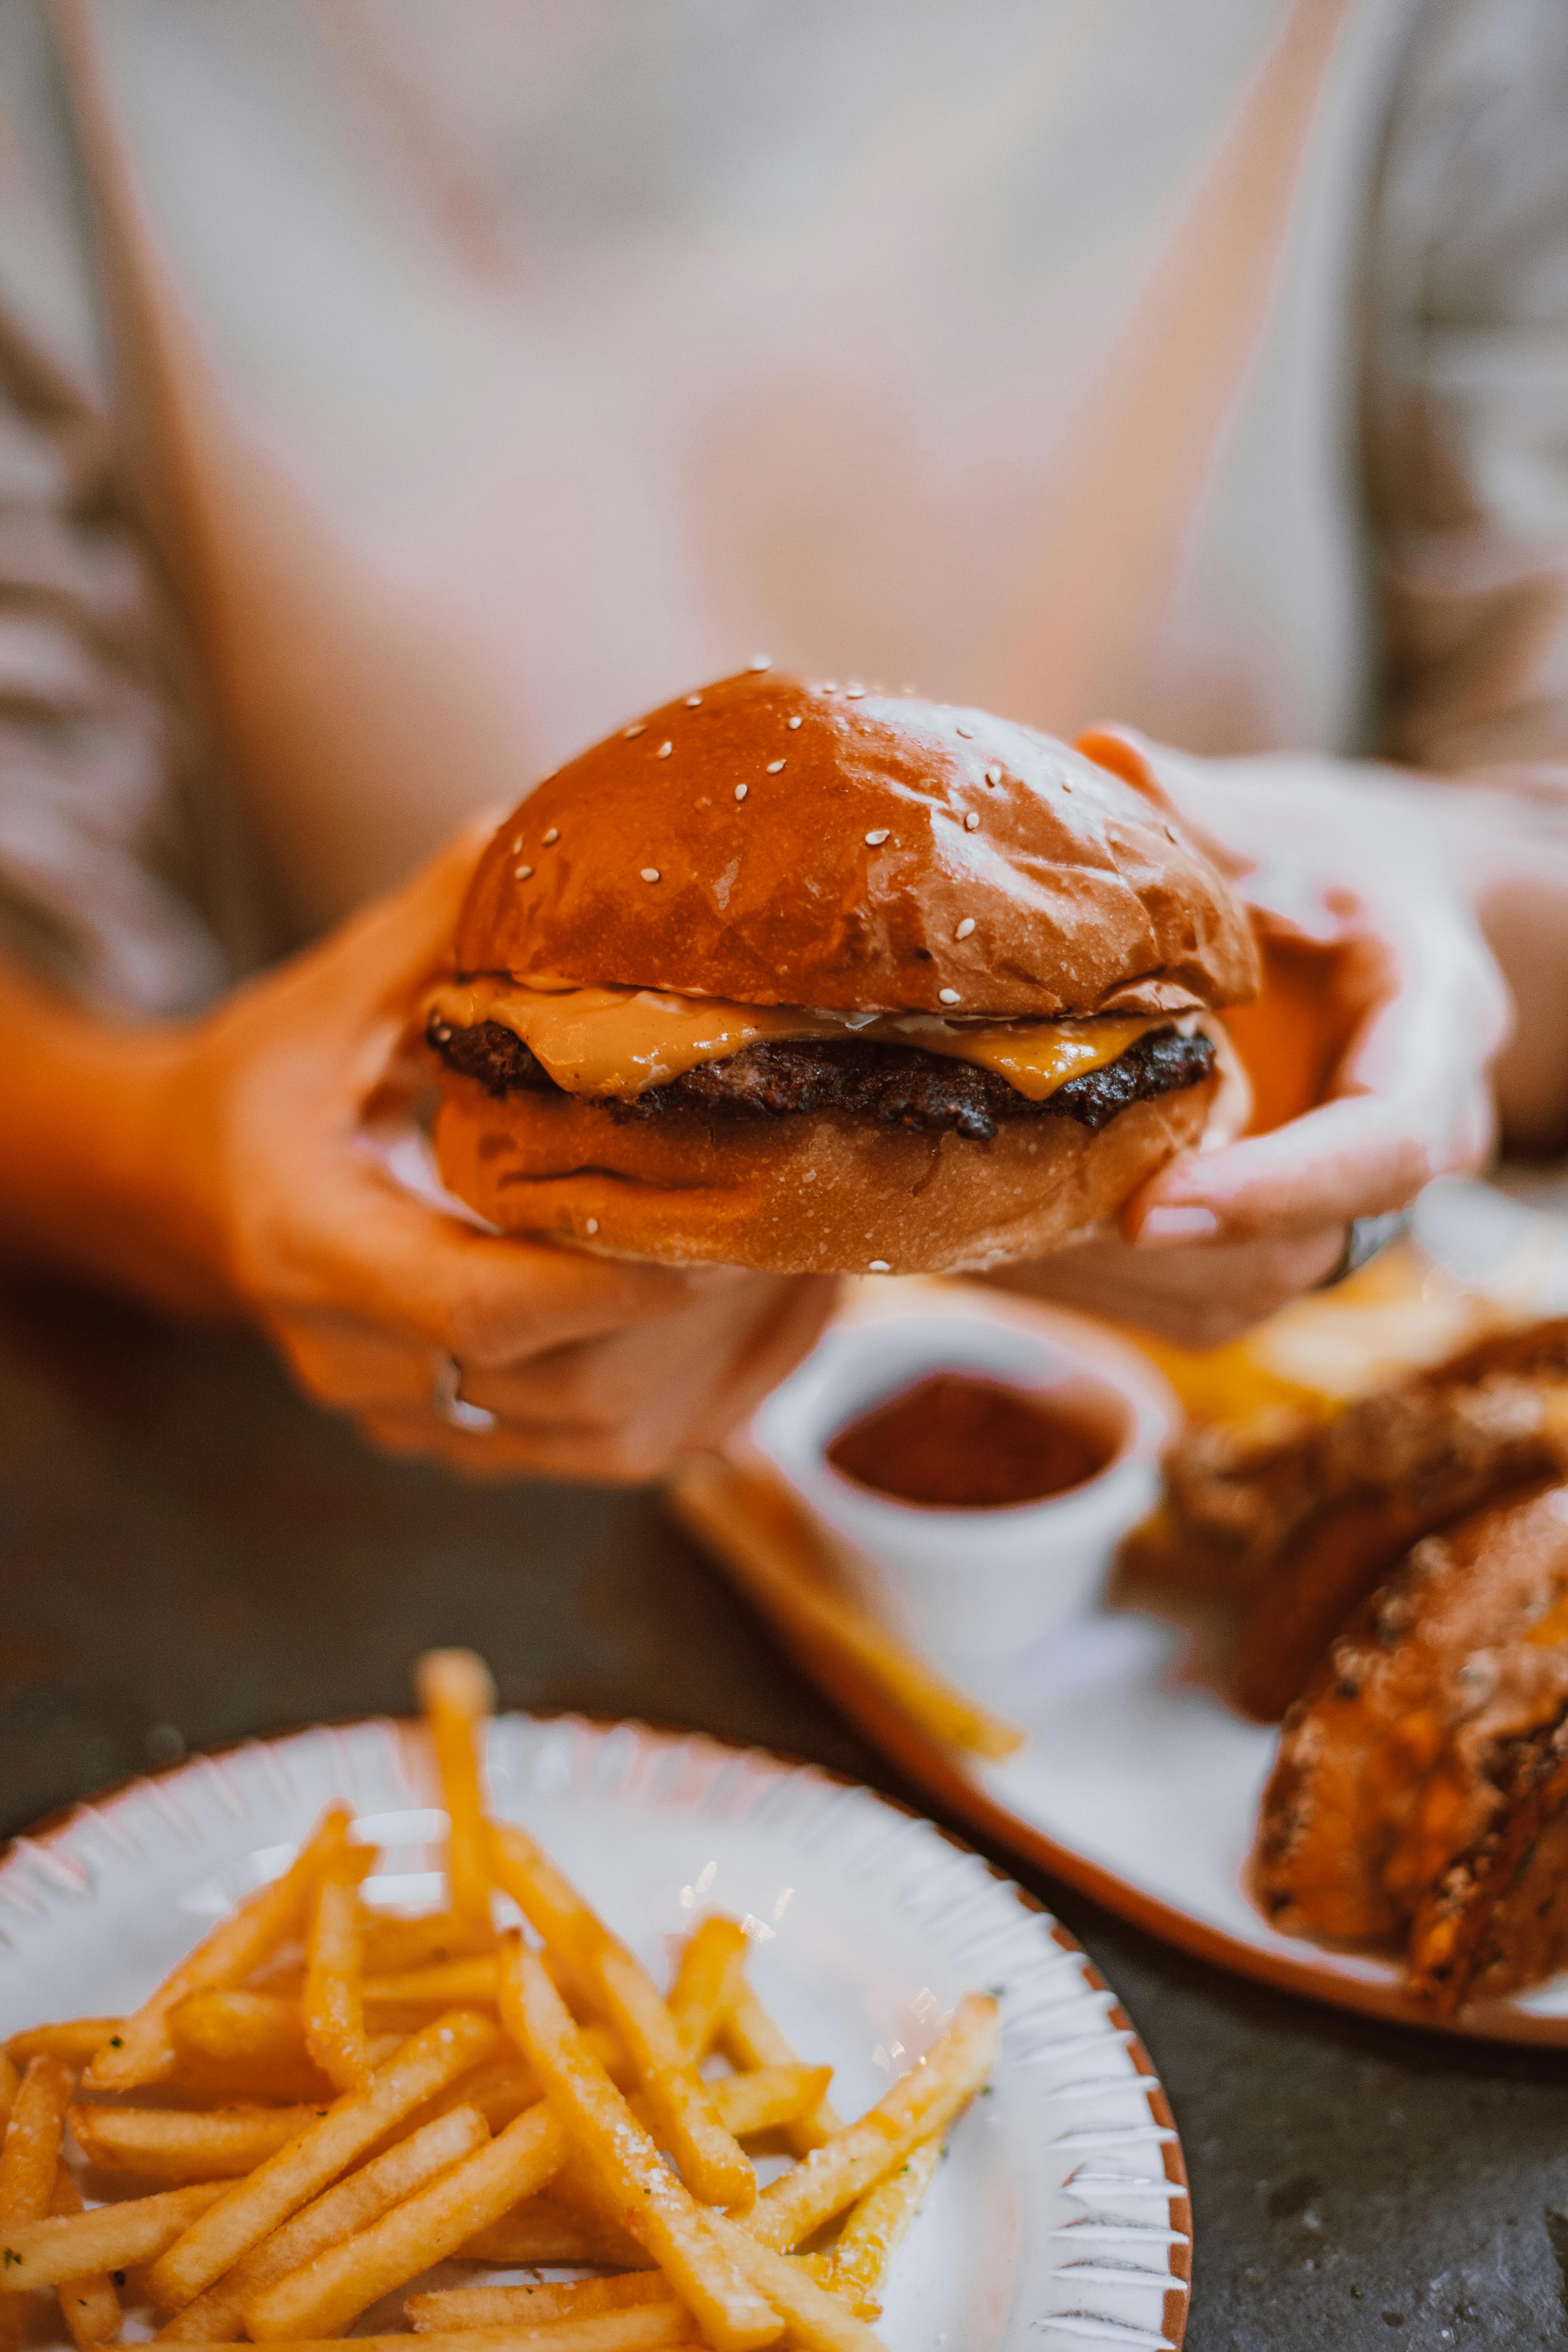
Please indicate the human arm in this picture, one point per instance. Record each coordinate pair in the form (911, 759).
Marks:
(220, 1165)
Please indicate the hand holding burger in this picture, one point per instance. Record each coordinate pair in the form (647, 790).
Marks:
(812, 980)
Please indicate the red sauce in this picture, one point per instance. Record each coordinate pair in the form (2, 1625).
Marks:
(969, 1445)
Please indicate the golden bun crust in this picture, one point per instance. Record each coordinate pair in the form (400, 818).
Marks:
(843, 875)
(813, 1192)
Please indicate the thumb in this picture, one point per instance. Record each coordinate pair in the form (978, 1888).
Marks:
(1159, 773)
(372, 964)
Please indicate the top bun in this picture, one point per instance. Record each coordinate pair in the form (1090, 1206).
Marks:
(779, 842)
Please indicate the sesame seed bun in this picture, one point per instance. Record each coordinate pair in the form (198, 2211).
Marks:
(777, 843)
(869, 837)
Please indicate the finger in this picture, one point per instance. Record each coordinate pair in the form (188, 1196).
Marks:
(339, 1234)
(520, 1450)
(350, 1367)
(1161, 773)
(1199, 1296)
(379, 957)
(673, 1372)
(787, 1333)
(1354, 1157)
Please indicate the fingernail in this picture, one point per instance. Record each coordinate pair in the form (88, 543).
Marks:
(1178, 1224)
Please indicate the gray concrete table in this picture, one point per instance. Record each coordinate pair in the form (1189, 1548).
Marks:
(189, 1554)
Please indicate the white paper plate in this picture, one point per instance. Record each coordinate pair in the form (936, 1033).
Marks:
(1060, 2217)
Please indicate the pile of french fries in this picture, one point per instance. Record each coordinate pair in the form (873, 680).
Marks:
(335, 2099)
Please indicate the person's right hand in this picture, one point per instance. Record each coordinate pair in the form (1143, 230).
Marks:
(594, 1368)
(223, 1164)
(1220, 1238)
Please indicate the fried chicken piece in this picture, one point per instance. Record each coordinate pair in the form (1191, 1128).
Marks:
(1421, 1790)
(1301, 1522)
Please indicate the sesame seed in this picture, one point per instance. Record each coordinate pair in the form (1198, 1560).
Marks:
(640, 728)
(1171, 833)
(874, 840)
(774, 767)
(592, 1225)
(553, 835)
(992, 776)
(522, 873)
(760, 661)
(792, 723)
(693, 702)
(830, 686)
(947, 996)
(517, 844)
(854, 694)
(967, 733)
(651, 874)
(664, 750)
(880, 1265)
(972, 821)
(740, 792)
(965, 928)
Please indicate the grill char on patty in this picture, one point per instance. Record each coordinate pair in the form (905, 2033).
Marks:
(900, 1085)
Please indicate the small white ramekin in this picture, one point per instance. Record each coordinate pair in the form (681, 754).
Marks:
(972, 1584)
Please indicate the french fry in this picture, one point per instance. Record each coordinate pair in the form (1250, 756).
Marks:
(49, 2253)
(10, 2084)
(718, 2172)
(771, 2098)
(648, 2199)
(327, 2294)
(142, 2050)
(331, 2006)
(458, 1696)
(747, 2104)
(389, 1942)
(236, 2025)
(546, 2231)
(255, 2082)
(350, 2204)
(180, 2144)
(750, 2039)
(716, 2168)
(750, 1522)
(229, 2022)
(500, 2089)
(543, 2316)
(532, 2305)
(30, 2165)
(876, 2226)
(73, 2039)
(917, 2104)
(610, 2331)
(707, 1982)
(89, 2306)
(506, 2083)
(816, 2319)
(545, 1897)
(434, 2056)
(440, 1984)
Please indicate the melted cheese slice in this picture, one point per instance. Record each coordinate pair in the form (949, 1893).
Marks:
(620, 1041)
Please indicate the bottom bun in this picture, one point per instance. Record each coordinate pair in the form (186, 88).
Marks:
(814, 1193)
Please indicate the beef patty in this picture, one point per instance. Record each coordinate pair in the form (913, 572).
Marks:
(900, 1085)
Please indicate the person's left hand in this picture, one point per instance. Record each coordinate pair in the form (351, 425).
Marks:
(1219, 1239)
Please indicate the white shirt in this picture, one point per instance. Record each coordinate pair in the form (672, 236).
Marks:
(481, 371)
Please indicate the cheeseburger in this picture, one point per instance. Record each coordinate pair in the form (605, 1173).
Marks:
(818, 979)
